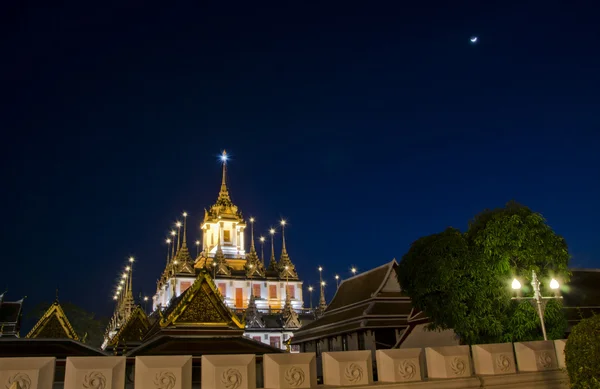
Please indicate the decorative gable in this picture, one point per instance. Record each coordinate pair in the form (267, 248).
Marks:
(53, 325)
(202, 306)
(134, 329)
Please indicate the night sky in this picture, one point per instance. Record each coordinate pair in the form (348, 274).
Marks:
(365, 126)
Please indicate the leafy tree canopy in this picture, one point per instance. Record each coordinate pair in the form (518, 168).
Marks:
(462, 281)
(83, 322)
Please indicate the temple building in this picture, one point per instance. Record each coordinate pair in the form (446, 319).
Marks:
(265, 299)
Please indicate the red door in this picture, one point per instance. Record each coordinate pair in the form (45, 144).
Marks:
(239, 298)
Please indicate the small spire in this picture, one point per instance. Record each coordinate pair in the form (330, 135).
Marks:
(184, 227)
(286, 267)
(56, 298)
(272, 261)
(252, 234)
(224, 192)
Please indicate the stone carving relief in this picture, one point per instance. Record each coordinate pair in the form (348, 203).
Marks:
(406, 370)
(94, 380)
(23, 381)
(165, 380)
(294, 376)
(458, 366)
(231, 378)
(502, 362)
(545, 359)
(353, 373)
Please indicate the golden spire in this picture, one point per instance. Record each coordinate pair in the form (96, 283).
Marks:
(252, 234)
(178, 225)
(262, 249)
(286, 267)
(184, 227)
(283, 250)
(272, 261)
(168, 241)
(173, 233)
(224, 192)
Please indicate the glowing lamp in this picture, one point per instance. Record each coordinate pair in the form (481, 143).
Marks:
(554, 284)
(184, 214)
(320, 268)
(283, 222)
(131, 259)
(271, 231)
(516, 284)
(310, 288)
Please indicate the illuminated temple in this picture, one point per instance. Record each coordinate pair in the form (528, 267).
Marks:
(227, 290)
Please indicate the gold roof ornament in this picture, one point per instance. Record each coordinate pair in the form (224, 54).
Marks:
(290, 317)
(254, 266)
(272, 261)
(224, 207)
(53, 325)
(183, 262)
(286, 267)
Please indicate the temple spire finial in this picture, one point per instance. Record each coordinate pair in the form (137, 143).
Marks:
(252, 234)
(272, 261)
(56, 297)
(185, 215)
(224, 158)
(286, 267)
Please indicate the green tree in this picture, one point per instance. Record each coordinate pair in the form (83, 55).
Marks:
(83, 322)
(462, 281)
(582, 354)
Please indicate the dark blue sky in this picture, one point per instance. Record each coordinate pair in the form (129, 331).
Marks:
(366, 126)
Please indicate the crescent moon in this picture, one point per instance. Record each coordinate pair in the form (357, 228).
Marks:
(474, 39)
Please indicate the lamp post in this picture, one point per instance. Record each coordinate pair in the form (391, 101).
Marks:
(310, 289)
(337, 281)
(538, 300)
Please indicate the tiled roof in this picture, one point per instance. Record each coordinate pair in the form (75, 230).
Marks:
(359, 288)
(364, 301)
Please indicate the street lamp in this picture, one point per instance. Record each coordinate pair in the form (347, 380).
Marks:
(537, 300)
(310, 289)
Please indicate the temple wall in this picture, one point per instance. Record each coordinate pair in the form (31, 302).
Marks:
(519, 365)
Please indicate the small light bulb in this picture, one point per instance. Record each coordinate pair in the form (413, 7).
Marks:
(337, 277)
(320, 268)
(271, 231)
(554, 284)
(310, 288)
(168, 241)
(323, 283)
(262, 238)
(516, 284)
(251, 220)
(283, 222)
(173, 233)
(131, 259)
(145, 298)
(184, 214)
(127, 268)
(197, 243)
(178, 224)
